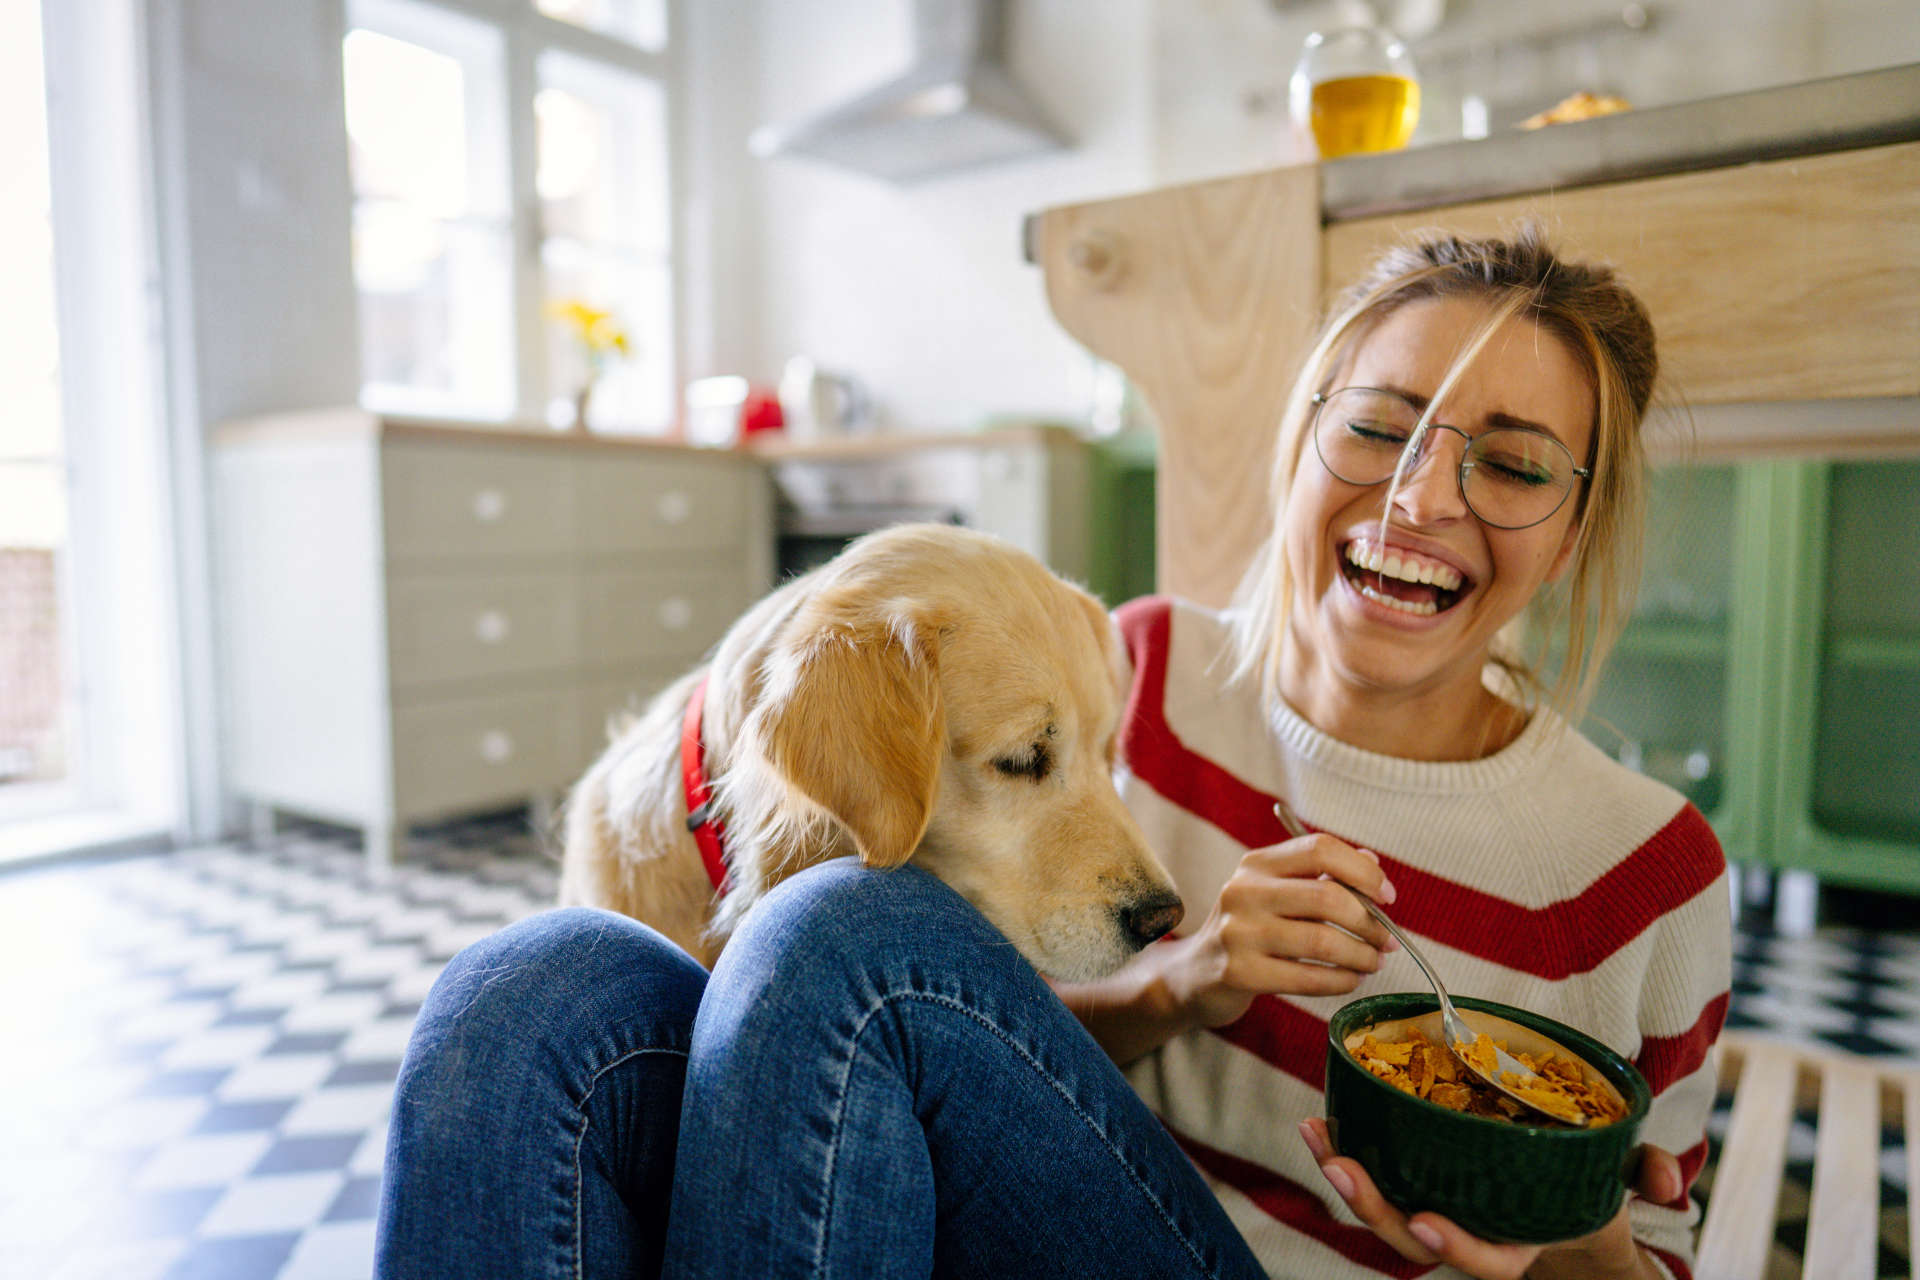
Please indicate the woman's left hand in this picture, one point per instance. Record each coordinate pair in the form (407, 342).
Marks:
(1428, 1238)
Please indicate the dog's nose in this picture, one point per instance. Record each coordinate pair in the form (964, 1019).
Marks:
(1151, 917)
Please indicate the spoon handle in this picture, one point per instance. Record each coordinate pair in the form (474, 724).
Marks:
(1296, 828)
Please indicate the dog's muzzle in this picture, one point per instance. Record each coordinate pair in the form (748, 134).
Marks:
(1151, 917)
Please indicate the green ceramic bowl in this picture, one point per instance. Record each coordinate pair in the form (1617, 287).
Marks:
(1516, 1183)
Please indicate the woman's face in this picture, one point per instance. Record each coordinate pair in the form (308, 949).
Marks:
(1428, 639)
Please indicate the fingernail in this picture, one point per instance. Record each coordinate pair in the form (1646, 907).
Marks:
(1371, 854)
(1426, 1235)
(1312, 1140)
(1391, 944)
(1340, 1180)
(1387, 892)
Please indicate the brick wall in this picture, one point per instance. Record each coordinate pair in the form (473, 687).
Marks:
(31, 731)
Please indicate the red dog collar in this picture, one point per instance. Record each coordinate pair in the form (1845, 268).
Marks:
(707, 831)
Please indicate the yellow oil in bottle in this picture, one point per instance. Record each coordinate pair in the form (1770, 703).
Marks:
(1364, 113)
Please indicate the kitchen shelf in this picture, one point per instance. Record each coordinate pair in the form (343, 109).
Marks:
(1878, 652)
(1674, 639)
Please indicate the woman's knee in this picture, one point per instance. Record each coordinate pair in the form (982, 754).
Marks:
(843, 927)
(569, 976)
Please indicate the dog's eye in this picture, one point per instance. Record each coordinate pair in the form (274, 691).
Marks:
(1032, 764)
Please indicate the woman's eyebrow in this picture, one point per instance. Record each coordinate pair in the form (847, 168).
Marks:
(1496, 419)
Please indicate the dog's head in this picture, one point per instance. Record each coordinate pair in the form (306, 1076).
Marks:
(939, 695)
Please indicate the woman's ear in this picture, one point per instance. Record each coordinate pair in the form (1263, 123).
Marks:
(852, 719)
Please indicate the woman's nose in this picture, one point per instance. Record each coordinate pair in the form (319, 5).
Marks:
(1429, 488)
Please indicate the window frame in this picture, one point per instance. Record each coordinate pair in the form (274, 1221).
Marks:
(527, 35)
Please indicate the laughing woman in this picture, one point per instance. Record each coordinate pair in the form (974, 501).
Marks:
(876, 1085)
(1465, 433)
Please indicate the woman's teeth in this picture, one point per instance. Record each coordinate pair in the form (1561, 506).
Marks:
(1420, 608)
(1407, 568)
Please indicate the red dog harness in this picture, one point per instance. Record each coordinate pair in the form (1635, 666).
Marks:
(707, 831)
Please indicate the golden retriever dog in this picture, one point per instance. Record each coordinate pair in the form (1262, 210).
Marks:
(932, 694)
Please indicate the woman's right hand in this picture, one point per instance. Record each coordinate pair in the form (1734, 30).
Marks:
(1281, 926)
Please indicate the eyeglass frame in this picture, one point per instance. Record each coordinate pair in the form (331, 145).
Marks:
(1319, 401)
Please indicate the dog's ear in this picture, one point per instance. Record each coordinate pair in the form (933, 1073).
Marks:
(855, 724)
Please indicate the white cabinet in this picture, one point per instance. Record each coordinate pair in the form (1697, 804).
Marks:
(416, 621)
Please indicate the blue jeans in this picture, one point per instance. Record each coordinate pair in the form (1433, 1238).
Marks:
(872, 1084)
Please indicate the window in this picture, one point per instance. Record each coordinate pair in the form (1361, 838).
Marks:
(432, 240)
(501, 165)
(641, 22)
(35, 712)
(602, 145)
(91, 727)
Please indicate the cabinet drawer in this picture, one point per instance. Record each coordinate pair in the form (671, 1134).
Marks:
(647, 616)
(447, 629)
(459, 500)
(455, 755)
(629, 504)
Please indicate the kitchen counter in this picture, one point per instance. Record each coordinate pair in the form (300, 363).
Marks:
(1818, 117)
(342, 424)
(774, 446)
(1840, 113)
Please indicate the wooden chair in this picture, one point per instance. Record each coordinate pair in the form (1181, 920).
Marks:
(1853, 1096)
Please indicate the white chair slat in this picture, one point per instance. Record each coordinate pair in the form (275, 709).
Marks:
(1911, 1110)
(1737, 1236)
(1843, 1220)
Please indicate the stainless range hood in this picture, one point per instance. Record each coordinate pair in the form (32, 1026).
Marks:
(954, 107)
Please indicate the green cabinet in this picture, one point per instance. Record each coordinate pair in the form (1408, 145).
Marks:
(1121, 561)
(1772, 668)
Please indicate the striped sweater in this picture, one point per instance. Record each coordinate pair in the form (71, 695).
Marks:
(1545, 875)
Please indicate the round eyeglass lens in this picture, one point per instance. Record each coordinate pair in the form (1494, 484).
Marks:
(1515, 478)
(1509, 477)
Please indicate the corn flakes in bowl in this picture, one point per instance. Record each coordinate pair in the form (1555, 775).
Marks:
(1431, 1138)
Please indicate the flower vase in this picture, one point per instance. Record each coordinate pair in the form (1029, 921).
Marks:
(581, 398)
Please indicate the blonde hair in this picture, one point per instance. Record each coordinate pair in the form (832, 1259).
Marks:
(1607, 330)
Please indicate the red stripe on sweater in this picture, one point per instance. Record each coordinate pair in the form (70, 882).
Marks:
(1286, 1201)
(1284, 1036)
(1553, 942)
(1665, 1059)
(1675, 1263)
(1692, 1161)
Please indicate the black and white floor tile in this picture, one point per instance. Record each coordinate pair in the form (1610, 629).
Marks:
(206, 1044)
(197, 1050)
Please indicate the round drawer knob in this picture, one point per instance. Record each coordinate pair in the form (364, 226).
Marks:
(489, 505)
(676, 613)
(496, 746)
(674, 507)
(492, 627)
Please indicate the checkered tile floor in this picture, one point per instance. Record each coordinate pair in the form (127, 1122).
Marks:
(200, 1049)
(197, 1051)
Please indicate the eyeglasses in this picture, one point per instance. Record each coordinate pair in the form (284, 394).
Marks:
(1510, 477)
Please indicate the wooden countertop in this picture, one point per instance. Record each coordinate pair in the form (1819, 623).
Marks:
(764, 447)
(776, 447)
(355, 423)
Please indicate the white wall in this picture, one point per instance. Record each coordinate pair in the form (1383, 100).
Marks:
(921, 290)
(255, 202)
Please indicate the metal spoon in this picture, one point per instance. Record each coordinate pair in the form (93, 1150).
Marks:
(1456, 1028)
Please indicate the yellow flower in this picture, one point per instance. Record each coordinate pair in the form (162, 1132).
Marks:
(596, 330)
